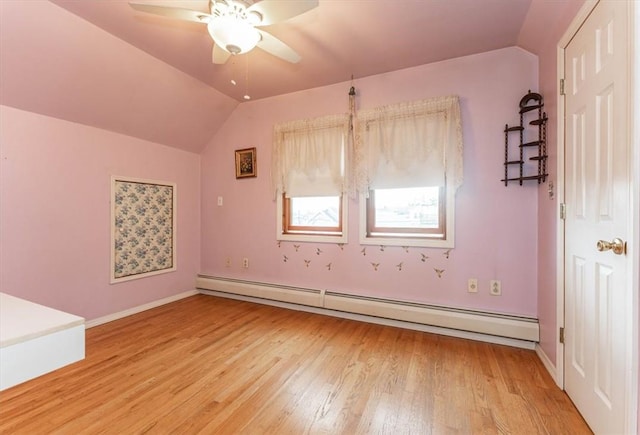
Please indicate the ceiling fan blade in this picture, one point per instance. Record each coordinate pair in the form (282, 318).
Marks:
(167, 11)
(274, 11)
(219, 55)
(273, 45)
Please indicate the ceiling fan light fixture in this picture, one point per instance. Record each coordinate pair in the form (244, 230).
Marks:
(254, 18)
(235, 36)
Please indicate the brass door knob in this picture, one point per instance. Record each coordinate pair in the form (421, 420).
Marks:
(616, 245)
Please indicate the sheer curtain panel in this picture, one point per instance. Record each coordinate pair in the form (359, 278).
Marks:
(410, 145)
(309, 157)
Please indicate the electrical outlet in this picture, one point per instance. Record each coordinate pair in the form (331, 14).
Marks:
(245, 263)
(219, 200)
(495, 288)
(472, 285)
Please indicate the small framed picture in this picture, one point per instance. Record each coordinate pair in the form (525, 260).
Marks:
(246, 165)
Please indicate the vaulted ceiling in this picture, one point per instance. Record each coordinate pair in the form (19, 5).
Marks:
(337, 39)
(104, 64)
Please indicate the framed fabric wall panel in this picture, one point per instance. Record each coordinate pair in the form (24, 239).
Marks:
(143, 228)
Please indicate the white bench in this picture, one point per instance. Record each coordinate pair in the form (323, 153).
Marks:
(35, 340)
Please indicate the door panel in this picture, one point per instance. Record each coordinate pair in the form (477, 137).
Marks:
(578, 315)
(598, 180)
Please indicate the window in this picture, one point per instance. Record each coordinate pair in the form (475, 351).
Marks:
(407, 212)
(406, 163)
(313, 214)
(315, 218)
(409, 167)
(309, 179)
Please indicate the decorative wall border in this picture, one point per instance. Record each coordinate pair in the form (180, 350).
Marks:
(143, 228)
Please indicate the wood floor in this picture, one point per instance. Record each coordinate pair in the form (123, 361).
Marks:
(219, 366)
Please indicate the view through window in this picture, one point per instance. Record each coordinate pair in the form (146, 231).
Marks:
(315, 211)
(416, 207)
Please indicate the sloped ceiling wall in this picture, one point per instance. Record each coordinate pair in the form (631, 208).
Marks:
(56, 64)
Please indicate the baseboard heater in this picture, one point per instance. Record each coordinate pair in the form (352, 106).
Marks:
(495, 324)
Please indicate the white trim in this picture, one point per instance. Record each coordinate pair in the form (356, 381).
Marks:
(560, 230)
(548, 364)
(576, 23)
(140, 308)
(634, 240)
(523, 344)
(174, 218)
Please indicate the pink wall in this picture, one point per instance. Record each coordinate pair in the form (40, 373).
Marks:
(496, 226)
(557, 16)
(54, 213)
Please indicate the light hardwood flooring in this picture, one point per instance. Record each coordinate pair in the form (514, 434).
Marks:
(219, 366)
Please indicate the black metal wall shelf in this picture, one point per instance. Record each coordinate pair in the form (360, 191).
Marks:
(533, 150)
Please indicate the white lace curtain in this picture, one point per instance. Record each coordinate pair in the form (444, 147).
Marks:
(410, 145)
(308, 156)
(402, 145)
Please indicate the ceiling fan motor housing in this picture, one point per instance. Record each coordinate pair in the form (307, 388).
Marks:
(232, 27)
(233, 35)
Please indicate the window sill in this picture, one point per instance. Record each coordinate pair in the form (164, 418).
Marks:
(407, 241)
(312, 238)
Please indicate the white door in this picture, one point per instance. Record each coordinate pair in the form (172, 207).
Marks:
(598, 186)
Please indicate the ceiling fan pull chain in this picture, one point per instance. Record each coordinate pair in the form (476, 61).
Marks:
(246, 79)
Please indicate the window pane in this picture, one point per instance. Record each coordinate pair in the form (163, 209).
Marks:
(315, 211)
(407, 208)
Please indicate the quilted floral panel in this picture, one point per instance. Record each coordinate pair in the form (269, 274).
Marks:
(143, 216)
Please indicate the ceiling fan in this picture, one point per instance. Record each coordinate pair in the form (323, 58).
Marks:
(233, 24)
